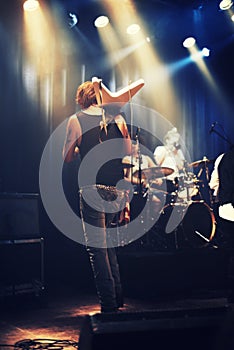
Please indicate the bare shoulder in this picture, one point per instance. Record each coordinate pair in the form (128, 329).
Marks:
(73, 119)
(73, 122)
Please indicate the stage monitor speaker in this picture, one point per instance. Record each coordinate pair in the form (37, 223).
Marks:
(164, 330)
(19, 216)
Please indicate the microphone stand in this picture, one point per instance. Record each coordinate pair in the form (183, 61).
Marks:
(139, 164)
(207, 176)
(222, 137)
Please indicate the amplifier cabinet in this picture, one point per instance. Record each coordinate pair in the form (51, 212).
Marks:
(19, 215)
(22, 266)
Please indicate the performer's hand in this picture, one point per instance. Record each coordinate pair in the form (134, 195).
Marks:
(144, 183)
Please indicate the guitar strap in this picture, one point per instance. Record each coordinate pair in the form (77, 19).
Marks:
(98, 91)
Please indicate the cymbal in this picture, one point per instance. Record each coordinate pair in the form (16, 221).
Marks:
(154, 172)
(201, 162)
(156, 191)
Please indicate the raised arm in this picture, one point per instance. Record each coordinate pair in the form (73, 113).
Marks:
(159, 154)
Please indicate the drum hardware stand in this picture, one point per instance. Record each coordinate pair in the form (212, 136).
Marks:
(198, 189)
(139, 161)
(204, 238)
(184, 204)
(147, 242)
(187, 191)
(205, 160)
(176, 238)
(175, 231)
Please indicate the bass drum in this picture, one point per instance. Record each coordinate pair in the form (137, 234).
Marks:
(199, 224)
(194, 223)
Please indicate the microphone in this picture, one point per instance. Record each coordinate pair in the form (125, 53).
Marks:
(212, 127)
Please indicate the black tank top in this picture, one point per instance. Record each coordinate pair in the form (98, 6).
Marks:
(111, 171)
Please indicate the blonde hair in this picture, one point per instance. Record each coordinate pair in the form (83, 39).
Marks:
(85, 95)
(171, 134)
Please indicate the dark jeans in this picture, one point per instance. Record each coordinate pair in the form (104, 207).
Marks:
(101, 239)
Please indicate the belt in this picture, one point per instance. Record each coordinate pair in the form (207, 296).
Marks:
(99, 187)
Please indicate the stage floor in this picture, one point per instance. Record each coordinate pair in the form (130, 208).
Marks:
(28, 322)
(24, 318)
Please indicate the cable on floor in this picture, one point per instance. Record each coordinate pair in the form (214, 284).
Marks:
(42, 344)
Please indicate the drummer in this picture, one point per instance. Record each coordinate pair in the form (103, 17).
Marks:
(171, 155)
(140, 162)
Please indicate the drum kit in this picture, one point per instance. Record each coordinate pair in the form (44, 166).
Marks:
(185, 215)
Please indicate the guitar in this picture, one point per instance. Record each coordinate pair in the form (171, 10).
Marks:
(121, 97)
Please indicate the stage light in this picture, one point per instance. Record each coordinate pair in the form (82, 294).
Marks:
(232, 18)
(225, 4)
(31, 5)
(189, 42)
(73, 20)
(101, 21)
(133, 29)
(205, 52)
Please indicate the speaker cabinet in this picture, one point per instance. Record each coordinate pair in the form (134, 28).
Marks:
(22, 266)
(21, 245)
(183, 329)
(19, 215)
